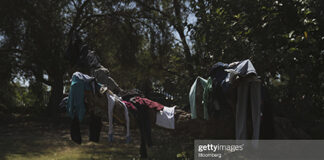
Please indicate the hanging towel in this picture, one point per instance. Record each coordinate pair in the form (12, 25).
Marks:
(165, 117)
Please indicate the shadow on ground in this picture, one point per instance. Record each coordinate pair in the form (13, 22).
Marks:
(45, 139)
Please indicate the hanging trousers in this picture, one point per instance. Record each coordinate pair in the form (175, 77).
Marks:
(95, 125)
(248, 90)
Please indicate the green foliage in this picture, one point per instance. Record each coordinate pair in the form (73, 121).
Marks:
(152, 46)
(32, 97)
(282, 38)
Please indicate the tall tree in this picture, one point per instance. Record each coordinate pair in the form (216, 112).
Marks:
(34, 34)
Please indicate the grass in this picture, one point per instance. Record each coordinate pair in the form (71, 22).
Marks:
(45, 140)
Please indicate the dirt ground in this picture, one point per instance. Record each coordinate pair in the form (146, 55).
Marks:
(25, 137)
(42, 138)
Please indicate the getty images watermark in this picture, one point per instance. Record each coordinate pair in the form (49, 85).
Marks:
(259, 149)
(216, 150)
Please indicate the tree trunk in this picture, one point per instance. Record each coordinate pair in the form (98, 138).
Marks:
(178, 25)
(56, 95)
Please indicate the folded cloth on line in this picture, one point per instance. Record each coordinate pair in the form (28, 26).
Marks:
(165, 118)
(147, 102)
(129, 105)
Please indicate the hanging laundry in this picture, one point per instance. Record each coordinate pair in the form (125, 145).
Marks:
(94, 128)
(129, 105)
(97, 104)
(248, 90)
(220, 85)
(80, 83)
(87, 58)
(218, 73)
(146, 110)
(244, 68)
(207, 88)
(149, 103)
(102, 76)
(144, 123)
(165, 117)
(75, 130)
(112, 100)
(207, 93)
(223, 74)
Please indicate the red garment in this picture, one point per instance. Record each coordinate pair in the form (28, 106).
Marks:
(129, 105)
(148, 103)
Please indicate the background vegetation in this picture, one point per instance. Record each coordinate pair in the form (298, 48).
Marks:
(163, 45)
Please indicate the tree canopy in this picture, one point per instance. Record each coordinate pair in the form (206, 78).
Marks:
(163, 45)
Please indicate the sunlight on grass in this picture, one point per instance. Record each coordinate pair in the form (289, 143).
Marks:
(36, 141)
(66, 154)
(42, 147)
(85, 151)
